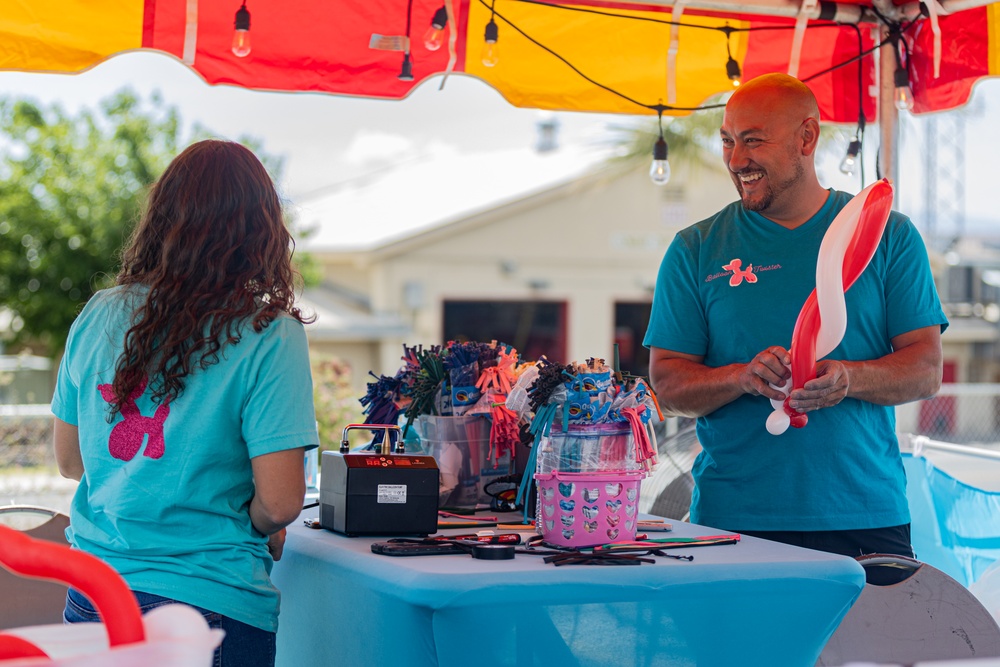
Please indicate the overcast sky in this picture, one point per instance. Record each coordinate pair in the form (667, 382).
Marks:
(326, 139)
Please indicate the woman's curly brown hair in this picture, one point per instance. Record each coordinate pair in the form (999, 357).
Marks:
(213, 252)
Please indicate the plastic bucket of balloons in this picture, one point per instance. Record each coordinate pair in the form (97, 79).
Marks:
(452, 401)
(592, 446)
(580, 509)
(173, 635)
(601, 447)
(460, 445)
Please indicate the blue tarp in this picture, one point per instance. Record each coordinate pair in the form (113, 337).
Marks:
(955, 527)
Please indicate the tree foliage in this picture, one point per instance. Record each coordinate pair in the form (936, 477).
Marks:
(71, 189)
(692, 140)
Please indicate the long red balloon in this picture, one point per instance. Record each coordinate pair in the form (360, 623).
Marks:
(40, 559)
(864, 242)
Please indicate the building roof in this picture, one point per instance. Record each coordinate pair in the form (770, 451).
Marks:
(341, 317)
(430, 191)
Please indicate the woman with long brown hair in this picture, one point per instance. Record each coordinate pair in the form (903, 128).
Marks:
(184, 402)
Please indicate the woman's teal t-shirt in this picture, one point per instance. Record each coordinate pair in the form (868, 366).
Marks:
(731, 286)
(166, 491)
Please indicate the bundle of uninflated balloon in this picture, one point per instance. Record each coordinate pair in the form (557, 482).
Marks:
(584, 417)
(458, 378)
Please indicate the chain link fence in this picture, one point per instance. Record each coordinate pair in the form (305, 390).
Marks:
(963, 414)
(28, 472)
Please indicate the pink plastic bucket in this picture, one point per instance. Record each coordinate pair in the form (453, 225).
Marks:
(584, 509)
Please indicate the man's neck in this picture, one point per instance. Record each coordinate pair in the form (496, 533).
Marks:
(803, 207)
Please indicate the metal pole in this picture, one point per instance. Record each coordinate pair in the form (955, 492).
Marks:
(888, 117)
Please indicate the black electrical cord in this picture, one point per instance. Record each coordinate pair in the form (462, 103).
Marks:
(895, 27)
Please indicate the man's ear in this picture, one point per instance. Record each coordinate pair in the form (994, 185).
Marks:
(809, 136)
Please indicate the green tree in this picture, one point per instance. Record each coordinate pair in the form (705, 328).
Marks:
(71, 188)
(336, 400)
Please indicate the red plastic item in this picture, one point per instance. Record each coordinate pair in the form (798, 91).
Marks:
(40, 559)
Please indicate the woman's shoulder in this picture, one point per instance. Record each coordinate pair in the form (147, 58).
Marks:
(112, 300)
(282, 329)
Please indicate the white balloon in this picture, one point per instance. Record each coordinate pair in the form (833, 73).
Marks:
(778, 422)
(830, 273)
(174, 621)
(784, 388)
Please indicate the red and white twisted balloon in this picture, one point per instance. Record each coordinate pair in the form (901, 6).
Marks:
(847, 247)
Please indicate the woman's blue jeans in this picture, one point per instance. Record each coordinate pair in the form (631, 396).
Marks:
(243, 646)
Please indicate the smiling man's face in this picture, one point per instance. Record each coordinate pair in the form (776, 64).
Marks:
(762, 147)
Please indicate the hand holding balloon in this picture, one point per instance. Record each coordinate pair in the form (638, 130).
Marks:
(827, 389)
(779, 420)
(766, 374)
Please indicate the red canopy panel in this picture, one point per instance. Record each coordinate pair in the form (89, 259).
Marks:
(968, 53)
(590, 56)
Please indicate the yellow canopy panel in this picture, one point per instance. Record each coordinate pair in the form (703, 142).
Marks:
(67, 35)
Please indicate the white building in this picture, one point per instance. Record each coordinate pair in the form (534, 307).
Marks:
(555, 253)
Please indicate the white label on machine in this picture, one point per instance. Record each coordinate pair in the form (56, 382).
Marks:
(392, 493)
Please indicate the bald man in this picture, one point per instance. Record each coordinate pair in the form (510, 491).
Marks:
(727, 297)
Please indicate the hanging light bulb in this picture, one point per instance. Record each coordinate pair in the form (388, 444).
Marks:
(490, 55)
(903, 95)
(434, 37)
(406, 73)
(241, 36)
(733, 71)
(659, 171)
(850, 160)
(732, 67)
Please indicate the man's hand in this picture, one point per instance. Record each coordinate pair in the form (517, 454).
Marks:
(827, 389)
(276, 544)
(769, 367)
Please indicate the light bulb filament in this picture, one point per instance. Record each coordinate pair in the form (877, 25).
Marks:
(241, 35)
(490, 57)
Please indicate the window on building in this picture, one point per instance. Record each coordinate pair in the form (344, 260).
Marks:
(631, 320)
(534, 328)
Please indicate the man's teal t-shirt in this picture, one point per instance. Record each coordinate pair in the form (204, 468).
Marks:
(166, 491)
(843, 470)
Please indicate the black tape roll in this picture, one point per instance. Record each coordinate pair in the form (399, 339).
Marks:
(493, 551)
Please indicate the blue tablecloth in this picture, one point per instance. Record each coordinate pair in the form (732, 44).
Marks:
(752, 603)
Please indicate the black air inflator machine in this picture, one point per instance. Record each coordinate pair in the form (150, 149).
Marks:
(378, 492)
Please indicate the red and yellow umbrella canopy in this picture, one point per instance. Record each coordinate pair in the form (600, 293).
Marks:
(598, 56)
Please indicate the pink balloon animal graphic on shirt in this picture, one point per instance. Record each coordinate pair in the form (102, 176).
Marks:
(739, 275)
(127, 436)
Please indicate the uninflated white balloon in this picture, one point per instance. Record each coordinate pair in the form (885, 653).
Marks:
(777, 422)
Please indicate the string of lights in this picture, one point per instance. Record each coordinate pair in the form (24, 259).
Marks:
(660, 170)
(855, 147)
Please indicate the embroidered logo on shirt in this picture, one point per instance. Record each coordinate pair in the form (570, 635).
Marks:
(750, 274)
(127, 436)
(739, 275)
